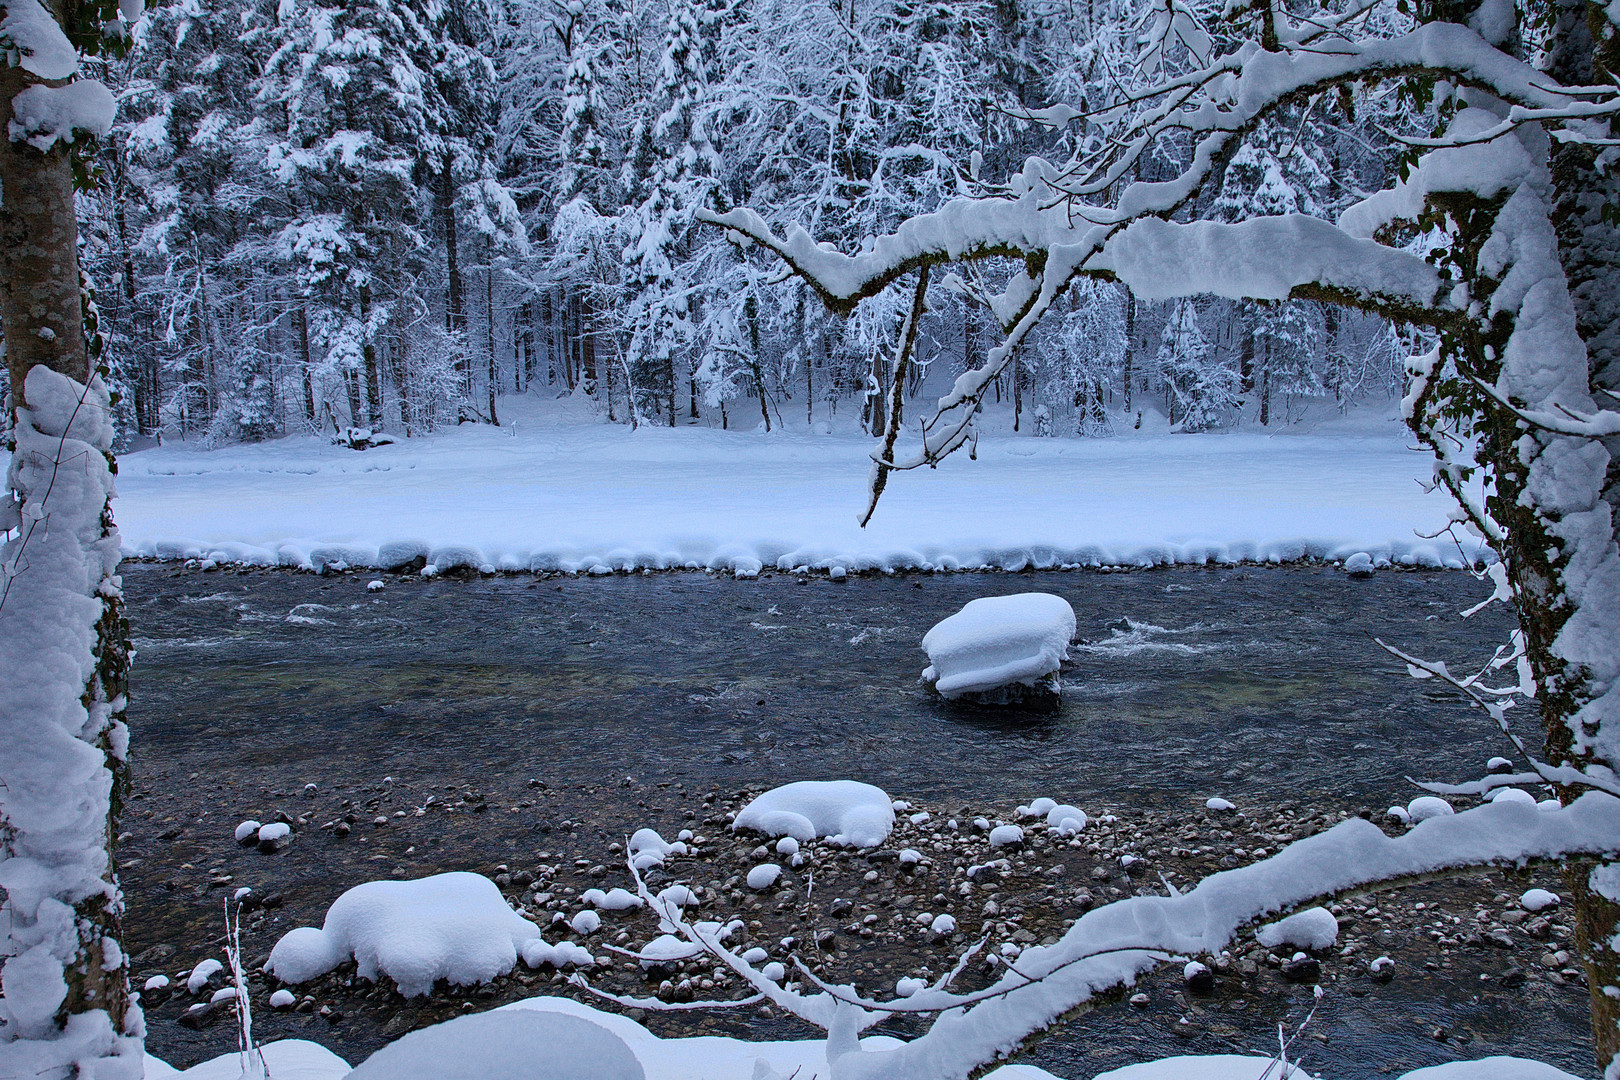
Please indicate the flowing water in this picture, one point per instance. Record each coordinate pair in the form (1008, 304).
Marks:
(1246, 682)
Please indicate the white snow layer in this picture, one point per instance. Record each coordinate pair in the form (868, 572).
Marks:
(507, 1044)
(997, 641)
(1313, 928)
(707, 1057)
(845, 811)
(454, 926)
(44, 114)
(44, 50)
(713, 1057)
(598, 495)
(1206, 1067)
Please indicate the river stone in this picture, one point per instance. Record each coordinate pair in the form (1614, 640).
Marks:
(1304, 969)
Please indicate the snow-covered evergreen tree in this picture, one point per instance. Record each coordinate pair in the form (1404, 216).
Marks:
(1203, 389)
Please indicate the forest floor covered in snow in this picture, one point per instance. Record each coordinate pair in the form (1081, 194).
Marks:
(555, 490)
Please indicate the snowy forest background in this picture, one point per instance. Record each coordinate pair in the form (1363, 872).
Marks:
(386, 213)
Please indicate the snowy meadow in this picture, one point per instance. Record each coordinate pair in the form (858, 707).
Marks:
(541, 493)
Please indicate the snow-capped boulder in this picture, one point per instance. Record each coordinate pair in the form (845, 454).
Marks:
(1538, 900)
(648, 849)
(507, 1044)
(1001, 649)
(844, 811)
(1359, 565)
(454, 926)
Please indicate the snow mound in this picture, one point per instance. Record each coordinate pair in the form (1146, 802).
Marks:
(1425, 807)
(998, 641)
(846, 812)
(612, 900)
(1037, 807)
(648, 849)
(452, 926)
(1491, 1068)
(285, 1059)
(1538, 900)
(763, 876)
(1313, 928)
(1006, 835)
(1066, 820)
(537, 953)
(1207, 1067)
(509, 1044)
(200, 975)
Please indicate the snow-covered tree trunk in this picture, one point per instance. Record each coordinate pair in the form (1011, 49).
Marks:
(1584, 183)
(63, 644)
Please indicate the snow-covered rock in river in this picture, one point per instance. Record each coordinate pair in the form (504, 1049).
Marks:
(1001, 649)
(1359, 565)
(454, 926)
(507, 1044)
(1313, 928)
(844, 811)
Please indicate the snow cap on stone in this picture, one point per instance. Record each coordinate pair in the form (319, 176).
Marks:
(454, 926)
(846, 812)
(997, 641)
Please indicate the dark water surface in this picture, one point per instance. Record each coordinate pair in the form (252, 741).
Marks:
(1258, 683)
(1259, 680)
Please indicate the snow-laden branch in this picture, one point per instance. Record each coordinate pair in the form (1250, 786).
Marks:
(1558, 775)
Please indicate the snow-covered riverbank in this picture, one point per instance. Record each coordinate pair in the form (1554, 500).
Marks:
(544, 493)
